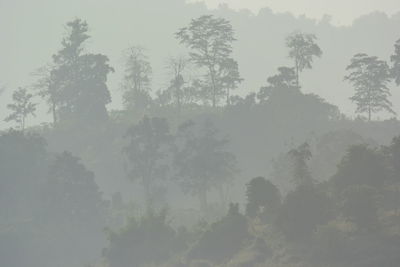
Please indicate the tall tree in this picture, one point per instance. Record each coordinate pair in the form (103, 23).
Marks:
(202, 160)
(230, 77)
(48, 89)
(395, 58)
(147, 153)
(302, 49)
(75, 83)
(137, 79)
(370, 77)
(210, 40)
(21, 107)
(176, 67)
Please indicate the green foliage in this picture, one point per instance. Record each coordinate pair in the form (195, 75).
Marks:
(201, 160)
(360, 206)
(49, 204)
(302, 211)
(210, 41)
(75, 85)
(137, 80)
(263, 199)
(360, 166)
(302, 49)
(370, 77)
(224, 238)
(147, 152)
(144, 241)
(395, 59)
(284, 81)
(300, 156)
(21, 107)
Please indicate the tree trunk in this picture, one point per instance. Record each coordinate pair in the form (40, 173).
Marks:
(214, 87)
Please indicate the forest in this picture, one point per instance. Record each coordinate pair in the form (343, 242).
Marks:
(200, 172)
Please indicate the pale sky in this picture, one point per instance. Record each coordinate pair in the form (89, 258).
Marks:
(343, 12)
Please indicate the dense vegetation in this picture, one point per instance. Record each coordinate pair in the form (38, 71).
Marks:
(120, 188)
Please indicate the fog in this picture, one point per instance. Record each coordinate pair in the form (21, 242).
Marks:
(217, 133)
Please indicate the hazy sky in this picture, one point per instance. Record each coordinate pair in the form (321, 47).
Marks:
(31, 31)
(343, 12)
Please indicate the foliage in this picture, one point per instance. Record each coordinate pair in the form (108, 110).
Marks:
(210, 41)
(302, 49)
(370, 77)
(21, 108)
(136, 84)
(223, 239)
(395, 59)
(143, 241)
(147, 153)
(202, 160)
(263, 198)
(302, 211)
(75, 83)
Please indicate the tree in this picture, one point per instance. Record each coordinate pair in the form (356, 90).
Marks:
(230, 77)
(147, 240)
(147, 153)
(395, 59)
(360, 205)
(393, 154)
(48, 89)
(201, 160)
(361, 165)
(71, 211)
(177, 66)
(263, 198)
(285, 80)
(21, 107)
(300, 156)
(302, 211)
(71, 186)
(302, 49)
(370, 77)
(210, 40)
(137, 79)
(223, 239)
(74, 84)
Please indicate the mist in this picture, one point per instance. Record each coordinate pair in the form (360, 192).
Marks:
(173, 133)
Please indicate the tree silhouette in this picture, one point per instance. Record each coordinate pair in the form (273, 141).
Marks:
(285, 80)
(21, 107)
(147, 153)
(230, 77)
(177, 67)
(395, 59)
(370, 77)
(136, 84)
(201, 159)
(263, 198)
(74, 84)
(302, 49)
(210, 40)
(300, 156)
